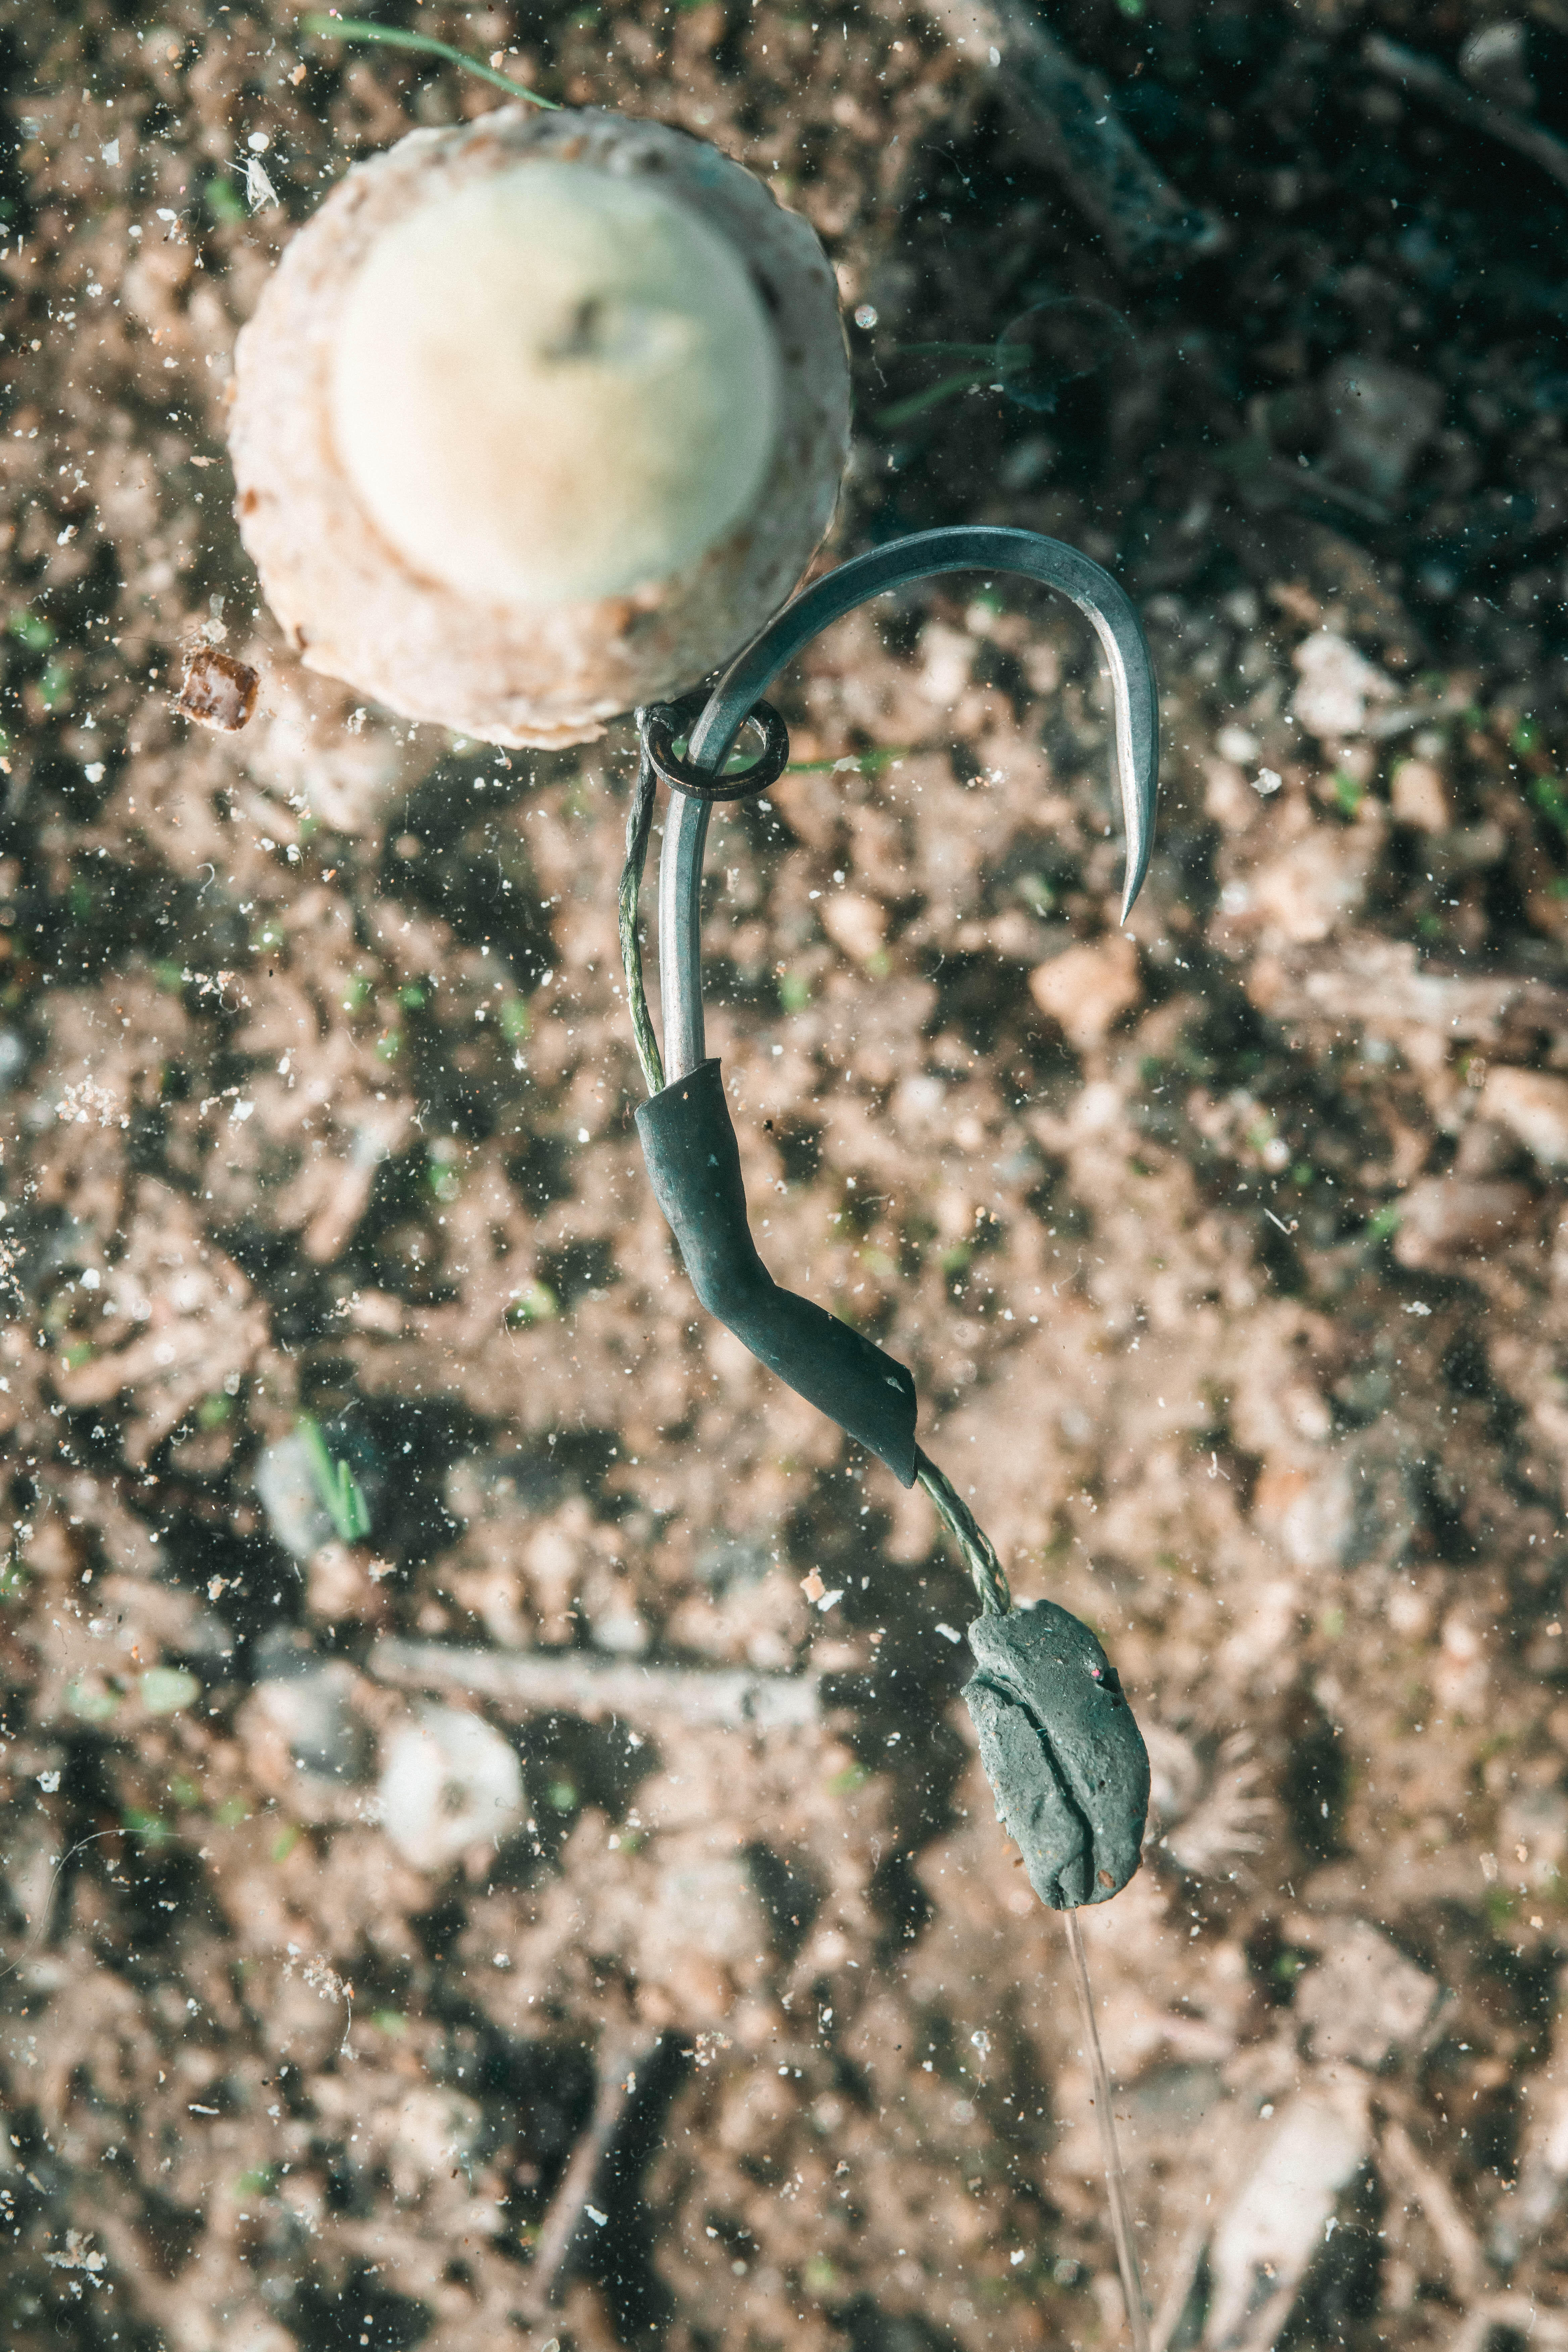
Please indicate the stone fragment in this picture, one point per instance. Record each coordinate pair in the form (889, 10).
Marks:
(1310, 1515)
(1087, 989)
(1533, 1833)
(305, 1742)
(1381, 418)
(1225, 798)
(1446, 1218)
(345, 1580)
(1419, 797)
(287, 1491)
(1533, 1107)
(216, 691)
(946, 658)
(308, 1704)
(1486, 1149)
(1337, 684)
(450, 1781)
(1319, 883)
(857, 924)
(1263, 2246)
(1365, 2000)
(704, 1903)
(1495, 60)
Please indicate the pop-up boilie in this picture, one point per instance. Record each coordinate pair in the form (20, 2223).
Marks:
(538, 420)
(542, 421)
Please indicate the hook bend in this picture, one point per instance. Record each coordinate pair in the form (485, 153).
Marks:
(924, 554)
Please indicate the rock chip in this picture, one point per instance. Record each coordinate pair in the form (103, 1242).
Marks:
(1419, 797)
(1381, 419)
(1533, 1107)
(855, 923)
(450, 1781)
(1495, 60)
(1319, 883)
(1365, 2000)
(217, 690)
(1533, 1829)
(1311, 1515)
(1446, 1218)
(304, 1740)
(1087, 989)
(13, 1058)
(704, 1903)
(313, 1712)
(1337, 684)
(1263, 2246)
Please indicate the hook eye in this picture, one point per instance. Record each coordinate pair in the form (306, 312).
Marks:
(666, 724)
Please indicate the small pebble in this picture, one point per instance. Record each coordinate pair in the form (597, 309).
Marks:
(216, 691)
(450, 1782)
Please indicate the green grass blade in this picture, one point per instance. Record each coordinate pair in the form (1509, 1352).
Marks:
(904, 412)
(1553, 801)
(1004, 354)
(353, 1514)
(341, 1498)
(393, 36)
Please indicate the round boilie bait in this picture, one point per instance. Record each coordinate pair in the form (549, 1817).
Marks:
(537, 420)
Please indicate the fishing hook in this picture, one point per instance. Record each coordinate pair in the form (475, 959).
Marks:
(1056, 1737)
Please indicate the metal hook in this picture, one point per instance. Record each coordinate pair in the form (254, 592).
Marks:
(924, 555)
(1057, 1738)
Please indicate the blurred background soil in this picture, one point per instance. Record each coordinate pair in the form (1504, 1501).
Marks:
(539, 1886)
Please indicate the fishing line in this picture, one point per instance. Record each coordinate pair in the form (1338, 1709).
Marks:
(1115, 2179)
(41, 1930)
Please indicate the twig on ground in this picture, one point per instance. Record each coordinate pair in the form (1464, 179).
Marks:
(621, 2058)
(1069, 120)
(1379, 984)
(1427, 78)
(1545, 2330)
(576, 1682)
(1409, 2172)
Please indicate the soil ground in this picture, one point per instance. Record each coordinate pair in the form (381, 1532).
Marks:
(1228, 1252)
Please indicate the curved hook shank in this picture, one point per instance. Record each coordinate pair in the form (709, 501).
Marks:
(922, 555)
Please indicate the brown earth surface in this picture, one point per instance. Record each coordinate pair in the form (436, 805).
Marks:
(551, 1895)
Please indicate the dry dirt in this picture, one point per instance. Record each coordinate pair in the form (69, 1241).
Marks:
(570, 1909)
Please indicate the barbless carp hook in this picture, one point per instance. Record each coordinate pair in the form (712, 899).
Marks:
(1058, 1742)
